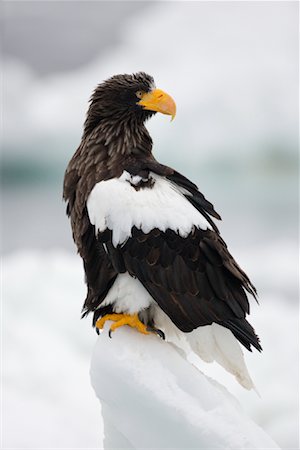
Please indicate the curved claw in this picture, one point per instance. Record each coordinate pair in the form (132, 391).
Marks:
(159, 333)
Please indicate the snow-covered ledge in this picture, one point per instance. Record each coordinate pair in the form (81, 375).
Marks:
(152, 397)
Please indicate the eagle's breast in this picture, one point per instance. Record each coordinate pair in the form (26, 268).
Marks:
(120, 204)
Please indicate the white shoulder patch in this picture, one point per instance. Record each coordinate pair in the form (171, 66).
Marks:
(117, 205)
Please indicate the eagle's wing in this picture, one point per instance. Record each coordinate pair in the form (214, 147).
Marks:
(191, 276)
(194, 279)
(99, 272)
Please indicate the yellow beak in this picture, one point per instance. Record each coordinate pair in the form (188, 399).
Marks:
(157, 100)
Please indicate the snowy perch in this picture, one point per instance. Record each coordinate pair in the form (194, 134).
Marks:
(152, 397)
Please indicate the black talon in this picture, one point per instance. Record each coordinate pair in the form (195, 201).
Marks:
(160, 333)
(109, 333)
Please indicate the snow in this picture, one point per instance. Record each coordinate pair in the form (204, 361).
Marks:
(47, 399)
(155, 398)
(46, 353)
(115, 204)
(275, 371)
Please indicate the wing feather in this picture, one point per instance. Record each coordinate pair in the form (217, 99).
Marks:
(190, 280)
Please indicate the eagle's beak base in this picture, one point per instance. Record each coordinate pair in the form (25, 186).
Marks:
(159, 101)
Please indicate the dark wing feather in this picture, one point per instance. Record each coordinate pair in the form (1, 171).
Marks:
(83, 172)
(100, 273)
(195, 197)
(194, 280)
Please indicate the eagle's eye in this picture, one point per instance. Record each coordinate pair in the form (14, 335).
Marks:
(139, 94)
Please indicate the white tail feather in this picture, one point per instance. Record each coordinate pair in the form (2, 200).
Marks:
(210, 343)
(216, 343)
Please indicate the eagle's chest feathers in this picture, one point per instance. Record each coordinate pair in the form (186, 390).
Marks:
(121, 203)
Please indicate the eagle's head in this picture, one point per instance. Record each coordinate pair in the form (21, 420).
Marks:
(128, 98)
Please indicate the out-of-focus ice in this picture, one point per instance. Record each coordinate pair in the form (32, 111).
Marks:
(232, 69)
(47, 399)
(152, 397)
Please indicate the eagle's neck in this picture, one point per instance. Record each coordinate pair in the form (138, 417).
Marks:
(123, 137)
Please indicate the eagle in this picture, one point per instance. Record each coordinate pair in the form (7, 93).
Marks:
(152, 253)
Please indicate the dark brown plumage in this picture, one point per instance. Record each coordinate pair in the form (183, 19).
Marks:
(193, 279)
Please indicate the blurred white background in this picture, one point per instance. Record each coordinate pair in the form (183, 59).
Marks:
(232, 68)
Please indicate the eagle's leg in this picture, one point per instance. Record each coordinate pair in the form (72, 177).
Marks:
(126, 319)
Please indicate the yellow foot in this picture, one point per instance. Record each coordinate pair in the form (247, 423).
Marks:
(126, 319)
(120, 320)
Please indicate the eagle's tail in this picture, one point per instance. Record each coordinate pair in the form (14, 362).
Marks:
(211, 343)
(216, 343)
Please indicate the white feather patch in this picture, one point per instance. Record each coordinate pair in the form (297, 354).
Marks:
(116, 204)
(210, 343)
(128, 295)
(217, 343)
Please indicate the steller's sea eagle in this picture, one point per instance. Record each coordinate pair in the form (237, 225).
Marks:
(153, 256)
